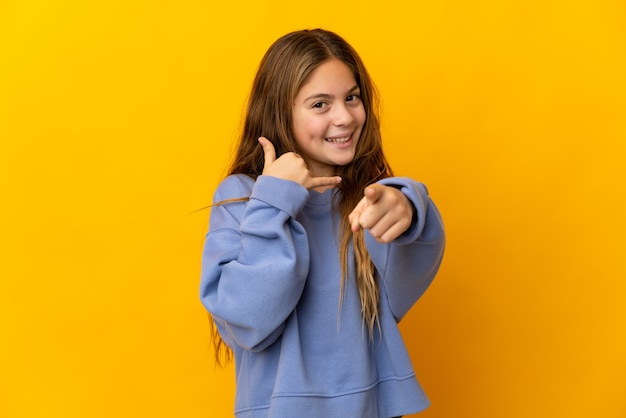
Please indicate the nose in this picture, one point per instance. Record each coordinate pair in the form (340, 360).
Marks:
(343, 115)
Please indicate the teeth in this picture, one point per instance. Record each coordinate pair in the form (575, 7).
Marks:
(338, 140)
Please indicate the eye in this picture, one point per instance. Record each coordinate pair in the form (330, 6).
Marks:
(319, 105)
(352, 98)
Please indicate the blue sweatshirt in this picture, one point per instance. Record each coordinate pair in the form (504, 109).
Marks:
(271, 280)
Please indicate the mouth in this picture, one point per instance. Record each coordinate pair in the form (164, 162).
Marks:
(339, 139)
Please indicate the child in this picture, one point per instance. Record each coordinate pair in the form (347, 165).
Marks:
(314, 251)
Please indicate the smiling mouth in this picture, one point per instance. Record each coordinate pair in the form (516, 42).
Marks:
(339, 139)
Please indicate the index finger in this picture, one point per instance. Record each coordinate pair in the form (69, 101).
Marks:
(374, 192)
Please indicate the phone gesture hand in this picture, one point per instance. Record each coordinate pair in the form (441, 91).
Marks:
(291, 166)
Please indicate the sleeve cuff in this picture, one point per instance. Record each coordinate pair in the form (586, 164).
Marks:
(286, 195)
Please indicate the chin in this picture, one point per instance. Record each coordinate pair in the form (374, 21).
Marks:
(344, 162)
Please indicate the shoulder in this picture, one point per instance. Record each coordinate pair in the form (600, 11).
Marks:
(233, 187)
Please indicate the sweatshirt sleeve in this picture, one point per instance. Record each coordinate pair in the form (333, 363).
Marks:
(409, 264)
(255, 260)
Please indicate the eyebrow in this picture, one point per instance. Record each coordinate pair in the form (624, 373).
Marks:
(329, 96)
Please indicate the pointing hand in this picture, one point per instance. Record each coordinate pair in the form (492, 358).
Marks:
(384, 210)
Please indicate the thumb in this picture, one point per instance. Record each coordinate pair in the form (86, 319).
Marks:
(268, 151)
(355, 216)
(373, 192)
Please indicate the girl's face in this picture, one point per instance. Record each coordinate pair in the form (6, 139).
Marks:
(328, 117)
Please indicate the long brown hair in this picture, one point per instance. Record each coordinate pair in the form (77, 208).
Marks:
(283, 70)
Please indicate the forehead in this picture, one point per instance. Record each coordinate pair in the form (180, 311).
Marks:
(330, 77)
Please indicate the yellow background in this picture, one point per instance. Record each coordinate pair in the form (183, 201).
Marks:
(117, 119)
